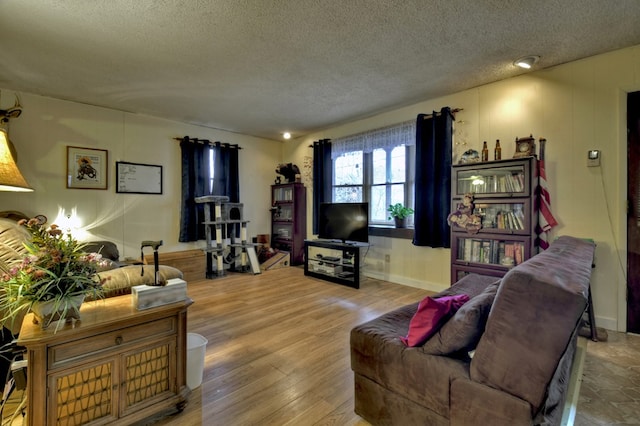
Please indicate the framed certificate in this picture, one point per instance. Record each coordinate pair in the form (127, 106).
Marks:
(137, 178)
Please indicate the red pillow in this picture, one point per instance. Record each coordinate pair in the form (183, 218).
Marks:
(430, 316)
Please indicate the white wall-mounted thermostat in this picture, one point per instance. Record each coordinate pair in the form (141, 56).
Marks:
(593, 158)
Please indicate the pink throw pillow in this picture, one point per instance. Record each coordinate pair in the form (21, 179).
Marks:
(430, 316)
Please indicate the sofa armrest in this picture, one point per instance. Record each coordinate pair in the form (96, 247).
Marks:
(531, 323)
(474, 404)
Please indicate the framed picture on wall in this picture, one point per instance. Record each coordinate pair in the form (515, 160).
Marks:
(87, 168)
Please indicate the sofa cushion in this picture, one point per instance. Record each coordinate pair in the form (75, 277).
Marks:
(107, 249)
(107, 265)
(378, 354)
(471, 285)
(430, 315)
(12, 239)
(462, 332)
(119, 281)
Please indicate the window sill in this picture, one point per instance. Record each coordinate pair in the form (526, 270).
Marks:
(391, 232)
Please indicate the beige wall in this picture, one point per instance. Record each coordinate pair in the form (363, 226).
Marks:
(577, 107)
(47, 126)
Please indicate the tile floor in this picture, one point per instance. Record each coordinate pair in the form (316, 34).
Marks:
(610, 390)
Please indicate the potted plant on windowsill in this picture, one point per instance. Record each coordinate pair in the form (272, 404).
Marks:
(399, 213)
(52, 280)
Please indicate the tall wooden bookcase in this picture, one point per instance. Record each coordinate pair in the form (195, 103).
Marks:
(503, 198)
(289, 219)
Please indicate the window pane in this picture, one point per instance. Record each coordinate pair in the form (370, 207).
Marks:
(378, 204)
(379, 166)
(348, 169)
(348, 194)
(398, 163)
(397, 194)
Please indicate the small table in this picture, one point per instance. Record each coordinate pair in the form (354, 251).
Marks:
(115, 364)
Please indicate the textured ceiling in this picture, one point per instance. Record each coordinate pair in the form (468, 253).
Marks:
(260, 67)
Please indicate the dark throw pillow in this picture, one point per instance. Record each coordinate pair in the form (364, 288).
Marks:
(107, 249)
(431, 314)
(463, 331)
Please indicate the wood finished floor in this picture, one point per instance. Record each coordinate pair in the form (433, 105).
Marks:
(278, 353)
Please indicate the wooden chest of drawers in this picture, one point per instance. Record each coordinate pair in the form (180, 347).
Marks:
(116, 365)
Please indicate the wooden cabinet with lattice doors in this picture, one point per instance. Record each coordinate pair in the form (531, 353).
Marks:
(116, 365)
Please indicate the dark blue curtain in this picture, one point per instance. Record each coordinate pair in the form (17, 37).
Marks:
(197, 181)
(322, 177)
(226, 179)
(433, 179)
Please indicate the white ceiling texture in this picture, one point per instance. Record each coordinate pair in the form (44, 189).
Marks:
(260, 67)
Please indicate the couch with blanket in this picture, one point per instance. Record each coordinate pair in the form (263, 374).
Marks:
(503, 358)
(119, 279)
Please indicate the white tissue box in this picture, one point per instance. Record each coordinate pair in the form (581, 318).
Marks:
(150, 296)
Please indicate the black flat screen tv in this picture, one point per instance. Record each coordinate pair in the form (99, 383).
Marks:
(344, 222)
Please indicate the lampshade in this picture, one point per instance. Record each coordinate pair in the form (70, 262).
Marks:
(10, 177)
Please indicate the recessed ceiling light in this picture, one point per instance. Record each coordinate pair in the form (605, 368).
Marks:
(526, 62)
(286, 135)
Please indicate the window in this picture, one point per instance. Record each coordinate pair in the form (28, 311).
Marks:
(376, 167)
(381, 178)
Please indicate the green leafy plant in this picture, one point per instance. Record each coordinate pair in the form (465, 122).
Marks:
(399, 211)
(55, 269)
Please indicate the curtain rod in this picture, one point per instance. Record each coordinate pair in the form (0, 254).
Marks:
(319, 141)
(207, 141)
(453, 111)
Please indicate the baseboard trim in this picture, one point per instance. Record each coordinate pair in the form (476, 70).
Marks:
(425, 285)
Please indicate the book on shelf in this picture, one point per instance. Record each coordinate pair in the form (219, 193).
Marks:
(514, 221)
(467, 249)
(518, 250)
(485, 256)
(475, 250)
(509, 250)
(495, 251)
(519, 215)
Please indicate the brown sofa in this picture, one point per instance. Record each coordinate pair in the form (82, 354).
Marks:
(523, 328)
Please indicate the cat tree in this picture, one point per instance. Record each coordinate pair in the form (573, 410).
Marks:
(226, 236)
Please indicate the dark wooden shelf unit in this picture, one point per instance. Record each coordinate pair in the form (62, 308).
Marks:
(289, 219)
(503, 194)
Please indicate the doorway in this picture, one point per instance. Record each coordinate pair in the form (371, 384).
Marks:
(633, 212)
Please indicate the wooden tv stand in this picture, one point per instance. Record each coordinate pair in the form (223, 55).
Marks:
(117, 364)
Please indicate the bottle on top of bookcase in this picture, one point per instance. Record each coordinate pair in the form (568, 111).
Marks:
(503, 208)
(289, 219)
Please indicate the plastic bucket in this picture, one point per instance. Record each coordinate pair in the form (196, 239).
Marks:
(196, 348)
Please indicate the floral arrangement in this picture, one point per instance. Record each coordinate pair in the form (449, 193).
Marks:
(55, 269)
